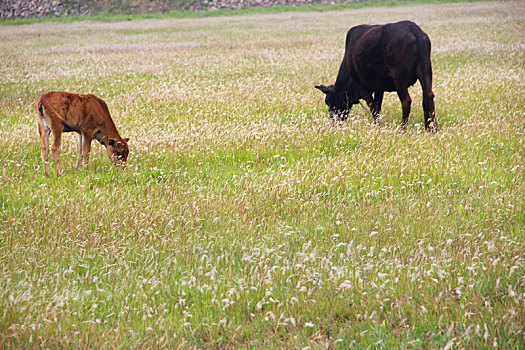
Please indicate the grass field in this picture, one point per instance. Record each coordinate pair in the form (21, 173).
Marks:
(246, 218)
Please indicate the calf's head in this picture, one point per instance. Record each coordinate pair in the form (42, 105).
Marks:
(118, 150)
(337, 101)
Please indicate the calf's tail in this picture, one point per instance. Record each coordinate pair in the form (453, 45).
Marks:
(44, 105)
(40, 109)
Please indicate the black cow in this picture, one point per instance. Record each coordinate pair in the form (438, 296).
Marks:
(381, 58)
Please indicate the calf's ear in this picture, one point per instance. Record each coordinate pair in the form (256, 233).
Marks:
(112, 142)
(126, 139)
(323, 88)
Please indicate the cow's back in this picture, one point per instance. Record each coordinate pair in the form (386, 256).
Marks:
(378, 56)
(76, 109)
(355, 33)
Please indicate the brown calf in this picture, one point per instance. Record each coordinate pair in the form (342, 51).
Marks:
(86, 115)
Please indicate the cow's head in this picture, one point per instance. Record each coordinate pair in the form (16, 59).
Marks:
(118, 150)
(338, 101)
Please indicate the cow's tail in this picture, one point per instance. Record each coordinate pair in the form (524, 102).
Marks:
(425, 66)
(43, 105)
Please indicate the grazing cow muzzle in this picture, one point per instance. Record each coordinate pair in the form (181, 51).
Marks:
(118, 151)
(337, 114)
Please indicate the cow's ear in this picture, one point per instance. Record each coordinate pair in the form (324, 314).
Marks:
(323, 88)
(112, 142)
(126, 139)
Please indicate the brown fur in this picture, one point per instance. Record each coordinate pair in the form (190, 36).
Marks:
(86, 115)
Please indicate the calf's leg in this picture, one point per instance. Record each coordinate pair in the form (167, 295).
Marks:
(55, 150)
(80, 154)
(44, 132)
(86, 147)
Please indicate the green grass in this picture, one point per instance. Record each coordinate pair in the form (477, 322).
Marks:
(245, 217)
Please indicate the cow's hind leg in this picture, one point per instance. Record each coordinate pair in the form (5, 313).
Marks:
(428, 100)
(428, 109)
(44, 132)
(406, 102)
(435, 126)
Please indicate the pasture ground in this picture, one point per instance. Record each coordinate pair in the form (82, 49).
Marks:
(246, 218)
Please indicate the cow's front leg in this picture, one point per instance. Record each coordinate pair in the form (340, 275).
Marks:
(370, 103)
(375, 106)
(406, 102)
